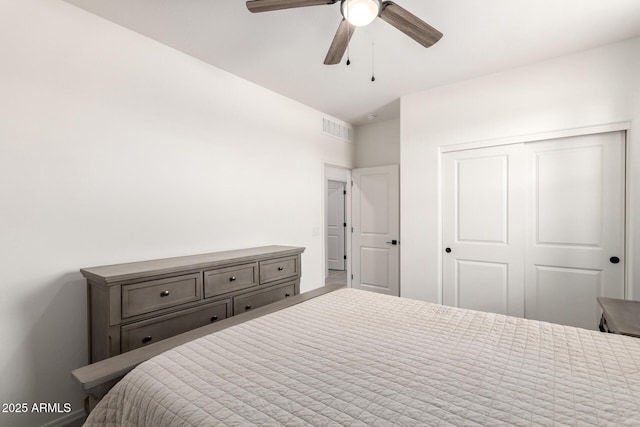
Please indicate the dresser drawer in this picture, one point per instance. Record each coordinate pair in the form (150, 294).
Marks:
(224, 280)
(145, 297)
(148, 331)
(255, 299)
(280, 268)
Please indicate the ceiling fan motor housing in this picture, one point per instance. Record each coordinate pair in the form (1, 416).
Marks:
(360, 12)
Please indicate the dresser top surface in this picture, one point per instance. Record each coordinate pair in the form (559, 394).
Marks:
(109, 274)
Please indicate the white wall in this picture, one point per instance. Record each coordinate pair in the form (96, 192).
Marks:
(378, 144)
(115, 148)
(595, 87)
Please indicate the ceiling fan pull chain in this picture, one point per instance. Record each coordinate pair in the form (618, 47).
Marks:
(373, 77)
(348, 38)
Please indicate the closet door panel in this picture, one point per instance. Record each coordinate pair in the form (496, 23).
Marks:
(575, 226)
(482, 245)
(566, 295)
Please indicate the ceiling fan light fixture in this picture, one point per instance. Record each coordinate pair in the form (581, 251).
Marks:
(360, 12)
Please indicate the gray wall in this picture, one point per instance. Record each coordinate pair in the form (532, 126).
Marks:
(377, 144)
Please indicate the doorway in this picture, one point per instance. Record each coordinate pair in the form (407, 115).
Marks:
(372, 251)
(337, 225)
(336, 231)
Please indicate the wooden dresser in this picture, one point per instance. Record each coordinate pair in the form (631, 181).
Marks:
(134, 304)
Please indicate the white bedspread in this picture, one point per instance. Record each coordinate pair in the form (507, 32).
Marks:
(363, 359)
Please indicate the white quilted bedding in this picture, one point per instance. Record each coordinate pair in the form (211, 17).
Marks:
(363, 359)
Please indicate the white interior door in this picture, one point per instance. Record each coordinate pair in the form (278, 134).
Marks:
(336, 225)
(576, 221)
(550, 260)
(376, 229)
(483, 264)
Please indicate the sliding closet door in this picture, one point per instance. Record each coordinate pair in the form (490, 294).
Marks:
(575, 232)
(535, 229)
(482, 245)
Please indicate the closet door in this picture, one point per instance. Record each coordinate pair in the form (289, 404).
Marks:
(575, 227)
(535, 229)
(483, 229)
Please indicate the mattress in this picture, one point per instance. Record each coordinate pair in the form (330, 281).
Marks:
(363, 359)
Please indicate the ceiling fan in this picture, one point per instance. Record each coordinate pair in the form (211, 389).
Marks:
(358, 13)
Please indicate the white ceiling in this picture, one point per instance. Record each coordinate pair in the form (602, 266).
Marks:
(284, 50)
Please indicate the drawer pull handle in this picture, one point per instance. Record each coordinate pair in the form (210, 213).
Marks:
(164, 293)
(280, 268)
(247, 307)
(232, 278)
(147, 339)
(214, 318)
(287, 295)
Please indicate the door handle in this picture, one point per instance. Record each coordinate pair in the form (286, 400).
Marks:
(614, 260)
(393, 242)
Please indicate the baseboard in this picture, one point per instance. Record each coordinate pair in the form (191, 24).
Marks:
(75, 418)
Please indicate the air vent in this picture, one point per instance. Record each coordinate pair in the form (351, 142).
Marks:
(337, 130)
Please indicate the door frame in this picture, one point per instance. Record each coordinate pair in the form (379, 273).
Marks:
(587, 130)
(331, 172)
(342, 207)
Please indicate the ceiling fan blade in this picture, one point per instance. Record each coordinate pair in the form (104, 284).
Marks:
(409, 24)
(269, 5)
(339, 43)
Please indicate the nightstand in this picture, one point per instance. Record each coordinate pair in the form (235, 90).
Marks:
(620, 316)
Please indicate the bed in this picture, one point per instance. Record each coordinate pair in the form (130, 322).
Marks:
(358, 358)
